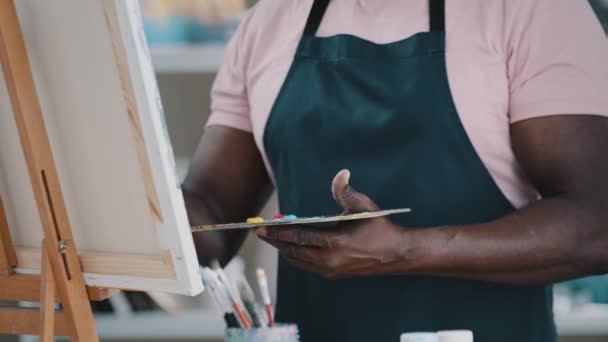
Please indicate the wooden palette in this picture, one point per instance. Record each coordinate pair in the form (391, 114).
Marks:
(303, 220)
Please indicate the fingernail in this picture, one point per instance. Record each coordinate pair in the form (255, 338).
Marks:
(261, 231)
(346, 174)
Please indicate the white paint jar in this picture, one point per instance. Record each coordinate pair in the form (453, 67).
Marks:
(455, 336)
(419, 337)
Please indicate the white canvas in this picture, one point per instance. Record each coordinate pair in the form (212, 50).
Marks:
(95, 80)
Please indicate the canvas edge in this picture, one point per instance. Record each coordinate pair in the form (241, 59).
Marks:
(147, 99)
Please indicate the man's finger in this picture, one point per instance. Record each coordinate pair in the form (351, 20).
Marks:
(311, 255)
(276, 244)
(298, 235)
(347, 197)
(309, 258)
(305, 265)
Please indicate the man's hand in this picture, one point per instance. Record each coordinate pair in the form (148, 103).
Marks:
(356, 248)
(559, 237)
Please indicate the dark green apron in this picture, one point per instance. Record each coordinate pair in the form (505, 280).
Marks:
(385, 111)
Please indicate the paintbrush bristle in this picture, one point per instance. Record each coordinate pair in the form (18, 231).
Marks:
(260, 273)
(215, 264)
(204, 276)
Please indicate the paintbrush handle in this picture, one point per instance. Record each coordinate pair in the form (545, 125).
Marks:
(239, 311)
(270, 315)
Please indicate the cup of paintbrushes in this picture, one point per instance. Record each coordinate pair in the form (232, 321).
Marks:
(276, 333)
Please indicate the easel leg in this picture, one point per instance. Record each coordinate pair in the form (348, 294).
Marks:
(47, 298)
(8, 258)
(63, 258)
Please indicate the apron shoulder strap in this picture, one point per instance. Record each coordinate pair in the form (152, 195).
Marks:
(315, 16)
(436, 14)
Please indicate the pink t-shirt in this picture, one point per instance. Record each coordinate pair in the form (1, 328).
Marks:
(507, 60)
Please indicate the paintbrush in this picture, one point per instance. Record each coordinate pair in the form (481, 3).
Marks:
(234, 296)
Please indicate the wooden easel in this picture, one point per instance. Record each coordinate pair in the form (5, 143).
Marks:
(61, 270)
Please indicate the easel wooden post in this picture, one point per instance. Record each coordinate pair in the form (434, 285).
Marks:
(61, 270)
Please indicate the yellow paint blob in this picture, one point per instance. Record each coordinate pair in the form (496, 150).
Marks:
(255, 220)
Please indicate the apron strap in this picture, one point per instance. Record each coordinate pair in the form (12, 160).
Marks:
(436, 14)
(315, 16)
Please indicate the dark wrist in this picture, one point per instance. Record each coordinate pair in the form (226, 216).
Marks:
(416, 249)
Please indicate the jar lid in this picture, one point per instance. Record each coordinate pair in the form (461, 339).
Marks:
(455, 336)
(419, 337)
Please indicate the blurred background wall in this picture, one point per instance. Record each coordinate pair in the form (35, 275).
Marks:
(187, 39)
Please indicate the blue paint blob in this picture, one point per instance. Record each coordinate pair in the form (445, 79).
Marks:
(290, 218)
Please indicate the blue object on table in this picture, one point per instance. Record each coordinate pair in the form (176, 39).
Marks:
(171, 30)
(200, 32)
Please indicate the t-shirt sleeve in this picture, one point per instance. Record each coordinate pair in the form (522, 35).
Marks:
(557, 60)
(229, 101)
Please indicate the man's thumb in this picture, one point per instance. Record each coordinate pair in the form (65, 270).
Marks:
(348, 198)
